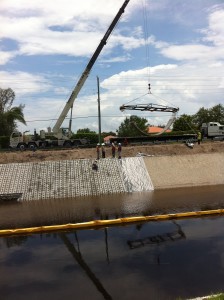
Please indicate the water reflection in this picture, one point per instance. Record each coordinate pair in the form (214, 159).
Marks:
(175, 235)
(79, 209)
(159, 263)
(78, 257)
(82, 209)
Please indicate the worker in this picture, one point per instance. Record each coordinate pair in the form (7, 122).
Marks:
(95, 166)
(98, 151)
(119, 150)
(103, 151)
(199, 137)
(113, 149)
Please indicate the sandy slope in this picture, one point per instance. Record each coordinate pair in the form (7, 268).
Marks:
(129, 151)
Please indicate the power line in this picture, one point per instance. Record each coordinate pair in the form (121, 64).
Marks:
(94, 116)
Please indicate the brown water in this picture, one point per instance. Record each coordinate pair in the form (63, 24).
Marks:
(81, 209)
(178, 259)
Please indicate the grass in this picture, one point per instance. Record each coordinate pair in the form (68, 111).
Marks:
(217, 297)
(211, 297)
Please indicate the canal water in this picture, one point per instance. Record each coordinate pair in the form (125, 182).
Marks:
(111, 206)
(175, 259)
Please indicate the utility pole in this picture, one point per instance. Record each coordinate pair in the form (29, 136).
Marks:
(99, 115)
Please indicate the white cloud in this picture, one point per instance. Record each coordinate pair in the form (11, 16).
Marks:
(123, 58)
(61, 91)
(214, 34)
(24, 83)
(42, 28)
(215, 31)
(188, 86)
(193, 52)
(5, 57)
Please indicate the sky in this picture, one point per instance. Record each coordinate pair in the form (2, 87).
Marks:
(177, 46)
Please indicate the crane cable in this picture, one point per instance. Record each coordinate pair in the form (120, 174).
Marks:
(147, 53)
(146, 35)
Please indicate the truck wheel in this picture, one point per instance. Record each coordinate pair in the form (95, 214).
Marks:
(44, 144)
(77, 143)
(32, 146)
(22, 147)
(67, 144)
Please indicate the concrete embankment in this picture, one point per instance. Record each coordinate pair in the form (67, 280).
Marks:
(186, 170)
(72, 178)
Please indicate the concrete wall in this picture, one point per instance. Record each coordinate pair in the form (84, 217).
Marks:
(71, 178)
(186, 170)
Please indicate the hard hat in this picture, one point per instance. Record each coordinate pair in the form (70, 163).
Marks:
(103, 144)
(119, 144)
(98, 144)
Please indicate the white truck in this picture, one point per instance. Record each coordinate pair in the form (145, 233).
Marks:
(212, 130)
(59, 136)
(31, 141)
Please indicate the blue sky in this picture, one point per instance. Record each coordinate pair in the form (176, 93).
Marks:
(177, 46)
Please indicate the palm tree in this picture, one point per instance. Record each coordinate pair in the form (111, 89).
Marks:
(9, 115)
(8, 120)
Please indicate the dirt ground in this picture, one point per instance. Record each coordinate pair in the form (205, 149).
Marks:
(90, 153)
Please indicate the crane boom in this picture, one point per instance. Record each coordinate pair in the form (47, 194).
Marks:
(87, 70)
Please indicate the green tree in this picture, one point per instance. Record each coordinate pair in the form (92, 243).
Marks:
(85, 130)
(213, 114)
(7, 97)
(184, 123)
(108, 133)
(133, 126)
(217, 113)
(202, 116)
(9, 115)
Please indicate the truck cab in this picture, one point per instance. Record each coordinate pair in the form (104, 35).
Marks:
(21, 140)
(212, 129)
(16, 138)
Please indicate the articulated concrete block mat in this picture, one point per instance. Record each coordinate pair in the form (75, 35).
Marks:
(71, 178)
(186, 170)
(135, 175)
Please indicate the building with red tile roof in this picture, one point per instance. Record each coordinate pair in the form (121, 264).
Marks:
(107, 139)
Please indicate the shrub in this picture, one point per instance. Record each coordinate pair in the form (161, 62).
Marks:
(4, 142)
